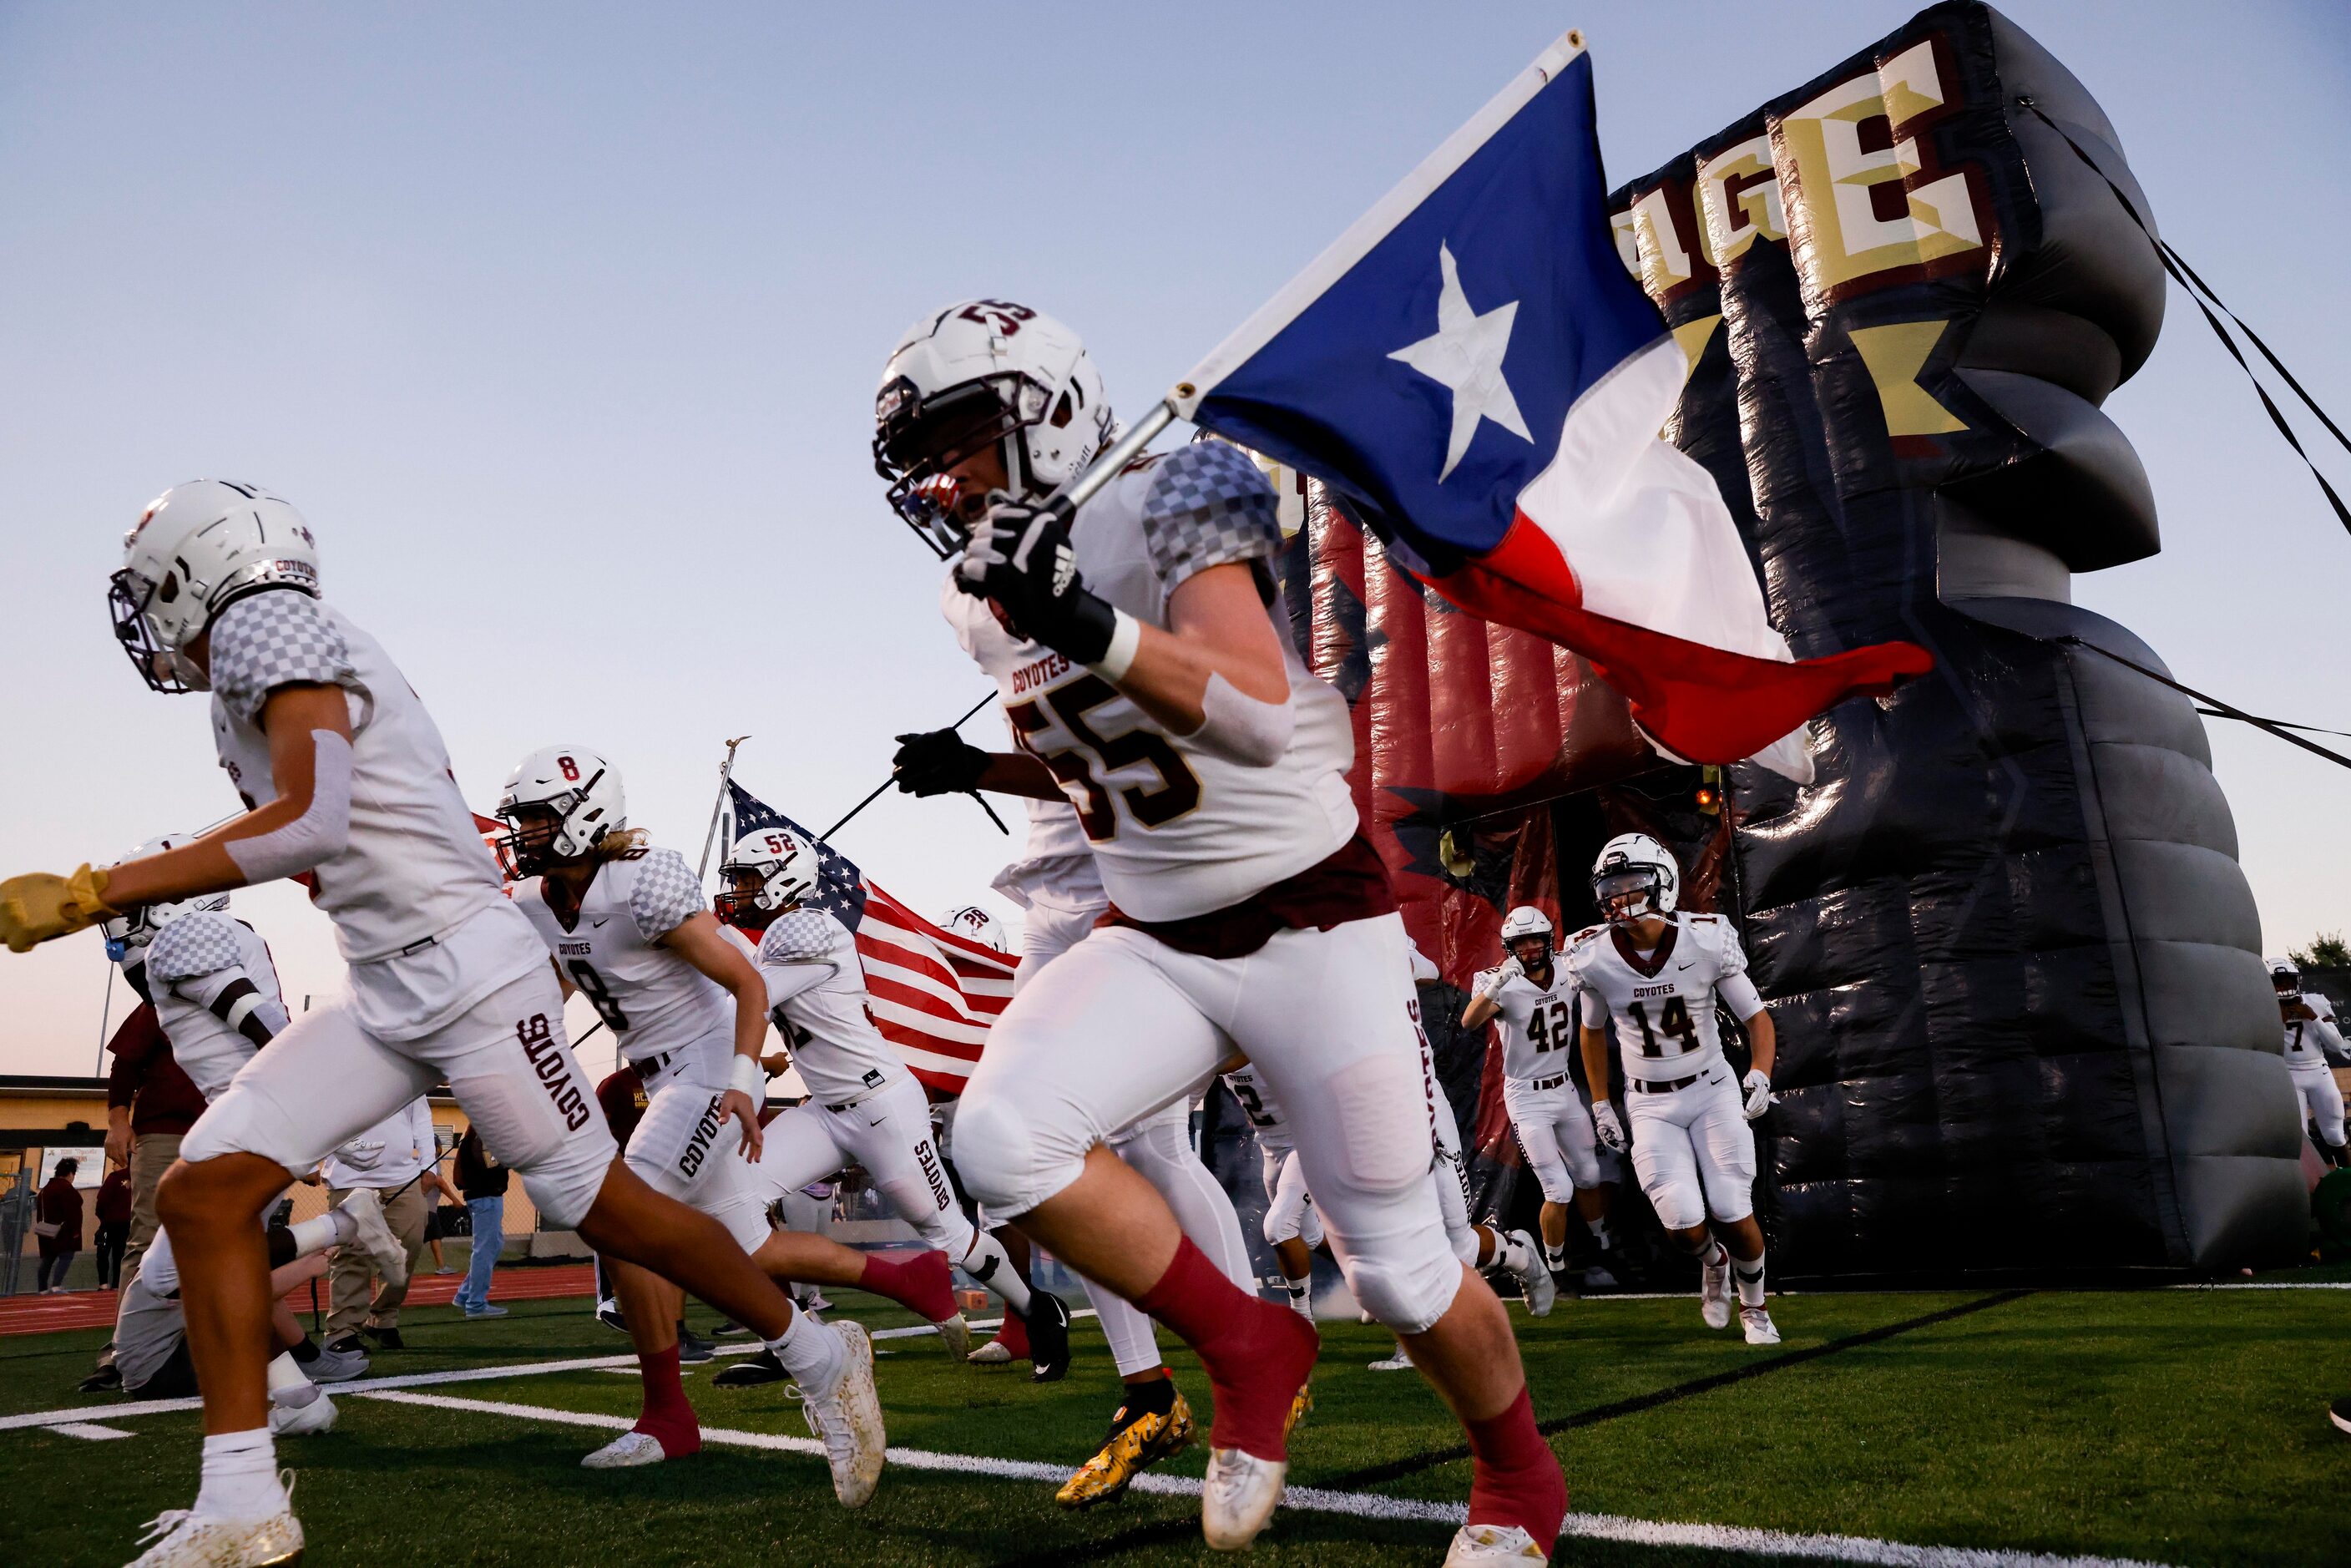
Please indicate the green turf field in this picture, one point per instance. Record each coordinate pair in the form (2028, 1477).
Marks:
(2170, 1427)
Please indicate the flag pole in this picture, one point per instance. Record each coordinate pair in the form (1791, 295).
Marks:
(726, 772)
(884, 785)
(105, 1016)
(1120, 452)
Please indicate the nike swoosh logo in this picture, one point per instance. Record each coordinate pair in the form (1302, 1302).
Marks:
(1676, 966)
(597, 924)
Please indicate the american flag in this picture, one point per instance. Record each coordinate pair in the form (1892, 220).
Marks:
(932, 993)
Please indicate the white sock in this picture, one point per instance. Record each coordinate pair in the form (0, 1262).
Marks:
(1515, 1256)
(1556, 1257)
(813, 1354)
(1302, 1292)
(287, 1385)
(241, 1477)
(1749, 1272)
(332, 1228)
(1715, 1256)
(1600, 1234)
(991, 1264)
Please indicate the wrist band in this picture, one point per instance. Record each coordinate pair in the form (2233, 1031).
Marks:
(746, 1074)
(1127, 636)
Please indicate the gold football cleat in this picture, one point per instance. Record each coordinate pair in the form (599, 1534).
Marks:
(1301, 1404)
(1132, 1449)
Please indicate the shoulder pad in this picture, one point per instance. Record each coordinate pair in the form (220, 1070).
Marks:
(199, 944)
(803, 936)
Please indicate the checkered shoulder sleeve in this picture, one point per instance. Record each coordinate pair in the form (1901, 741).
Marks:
(279, 637)
(194, 945)
(665, 894)
(803, 936)
(1207, 505)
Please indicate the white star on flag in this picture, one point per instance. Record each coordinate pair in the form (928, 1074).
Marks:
(1466, 358)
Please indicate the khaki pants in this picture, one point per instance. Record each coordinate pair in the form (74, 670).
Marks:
(352, 1284)
(152, 1154)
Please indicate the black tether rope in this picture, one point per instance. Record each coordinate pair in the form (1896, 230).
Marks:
(2214, 705)
(2199, 291)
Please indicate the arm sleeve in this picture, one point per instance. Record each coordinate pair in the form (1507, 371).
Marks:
(1207, 506)
(665, 894)
(279, 637)
(1739, 993)
(2330, 1044)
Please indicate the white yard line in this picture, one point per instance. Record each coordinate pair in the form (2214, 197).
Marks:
(91, 1430)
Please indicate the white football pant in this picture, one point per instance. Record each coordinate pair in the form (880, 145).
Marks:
(1693, 1151)
(325, 1079)
(2321, 1102)
(887, 1132)
(1289, 1206)
(1123, 1025)
(1554, 1130)
(682, 1149)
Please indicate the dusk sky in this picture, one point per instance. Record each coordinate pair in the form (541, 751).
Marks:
(562, 326)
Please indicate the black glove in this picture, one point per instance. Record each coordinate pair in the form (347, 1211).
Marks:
(937, 762)
(1021, 557)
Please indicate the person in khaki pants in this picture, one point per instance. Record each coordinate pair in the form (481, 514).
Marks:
(395, 1157)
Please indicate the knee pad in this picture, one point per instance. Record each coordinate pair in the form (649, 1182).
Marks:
(1002, 1160)
(1406, 1297)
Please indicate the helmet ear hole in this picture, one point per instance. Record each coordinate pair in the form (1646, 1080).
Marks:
(170, 592)
(1063, 412)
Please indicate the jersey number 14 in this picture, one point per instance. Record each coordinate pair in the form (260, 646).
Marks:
(1673, 1022)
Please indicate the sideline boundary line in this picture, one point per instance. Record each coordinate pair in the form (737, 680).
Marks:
(1356, 1504)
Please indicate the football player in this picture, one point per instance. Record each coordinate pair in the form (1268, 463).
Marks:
(1060, 890)
(346, 782)
(1535, 1003)
(1655, 974)
(864, 1108)
(2312, 1043)
(1208, 769)
(1290, 1228)
(626, 926)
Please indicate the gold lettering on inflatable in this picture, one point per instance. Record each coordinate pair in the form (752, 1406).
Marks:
(1665, 263)
(1895, 354)
(1739, 200)
(1863, 197)
(1693, 336)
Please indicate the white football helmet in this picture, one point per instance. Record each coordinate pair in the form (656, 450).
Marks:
(197, 548)
(131, 931)
(970, 920)
(1635, 876)
(572, 786)
(985, 371)
(1527, 924)
(2284, 978)
(786, 867)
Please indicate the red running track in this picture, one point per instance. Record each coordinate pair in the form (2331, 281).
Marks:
(95, 1309)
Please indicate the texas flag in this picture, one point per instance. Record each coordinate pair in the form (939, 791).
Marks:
(1472, 369)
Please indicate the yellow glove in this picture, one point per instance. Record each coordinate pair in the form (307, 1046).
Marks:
(38, 906)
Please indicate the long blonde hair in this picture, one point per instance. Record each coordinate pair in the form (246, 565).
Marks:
(619, 844)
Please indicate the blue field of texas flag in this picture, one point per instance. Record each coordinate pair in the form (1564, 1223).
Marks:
(1473, 371)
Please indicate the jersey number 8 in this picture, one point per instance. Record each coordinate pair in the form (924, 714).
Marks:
(599, 996)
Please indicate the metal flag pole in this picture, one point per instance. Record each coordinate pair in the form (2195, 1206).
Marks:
(1121, 452)
(881, 788)
(726, 771)
(105, 1017)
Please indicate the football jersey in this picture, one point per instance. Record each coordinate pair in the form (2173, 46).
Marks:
(420, 914)
(1537, 1023)
(1263, 1111)
(839, 1053)
(1661, 1006)
(2306, 1040)
(653, 1000)
(1175, 829)
(191, 961)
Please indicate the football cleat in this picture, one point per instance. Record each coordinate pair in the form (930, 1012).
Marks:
(1536, 1283)
(302, 1420)
(752, 1371)
(385, 1250)
(1399, 1362)
(957, 1333)
(609, 1313)
(1237, 1496)
(848, 1421)
(1480, 1543)
(1134, 1446)
(626, 1452)
(337, 1361)
(1714, 1290)
(692, 1348)
(1049, 1337)
(183, 1538)
(1759, 1326)
(993, 1354)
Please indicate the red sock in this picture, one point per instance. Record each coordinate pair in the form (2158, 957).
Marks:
(1014, 1336)
(925, 1285)
(668, 1416)
(1256, 1353)
(1514, 1477)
